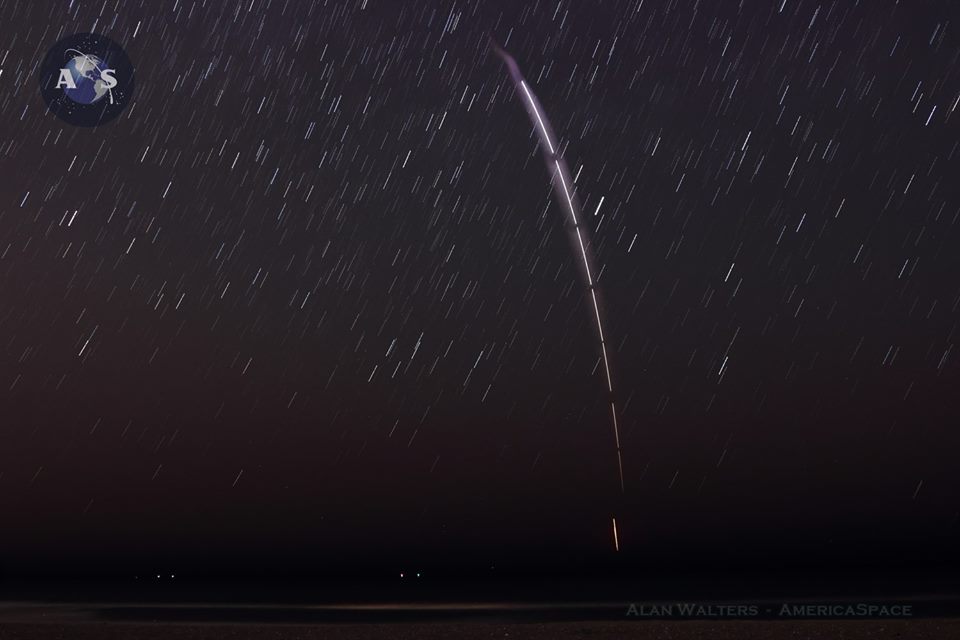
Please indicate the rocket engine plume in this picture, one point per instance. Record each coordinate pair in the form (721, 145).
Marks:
(563, 187)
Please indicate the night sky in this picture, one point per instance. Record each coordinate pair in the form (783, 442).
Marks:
(310, 297)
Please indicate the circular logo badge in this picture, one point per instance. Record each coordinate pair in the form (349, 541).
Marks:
(86, 80)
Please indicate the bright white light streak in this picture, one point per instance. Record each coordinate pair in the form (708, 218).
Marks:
(560, 180)
(533, 104)
(600, 204)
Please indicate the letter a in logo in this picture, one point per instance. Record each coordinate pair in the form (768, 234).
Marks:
(66, 80)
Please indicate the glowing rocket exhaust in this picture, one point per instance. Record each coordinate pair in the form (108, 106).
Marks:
(563, 187)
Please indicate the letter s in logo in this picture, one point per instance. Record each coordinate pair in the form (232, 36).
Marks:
(108, 78)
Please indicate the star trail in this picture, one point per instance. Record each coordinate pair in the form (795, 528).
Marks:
(308, 294)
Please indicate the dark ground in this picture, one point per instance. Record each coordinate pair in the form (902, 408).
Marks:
(515, 606)
(674, 630)
(931, 617)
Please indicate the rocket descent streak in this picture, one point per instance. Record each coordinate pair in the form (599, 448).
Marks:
(563, 187)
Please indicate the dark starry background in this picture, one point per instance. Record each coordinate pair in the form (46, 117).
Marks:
(317, 307)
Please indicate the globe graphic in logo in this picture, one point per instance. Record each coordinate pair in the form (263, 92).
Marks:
(86, 71)
(86, 79)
